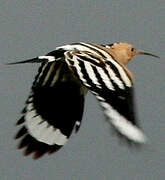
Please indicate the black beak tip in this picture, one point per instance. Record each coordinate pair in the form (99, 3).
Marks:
(147, 53)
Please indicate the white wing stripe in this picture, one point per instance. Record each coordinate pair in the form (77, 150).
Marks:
(73, 47)
(123, 125)
(59, 138)
(97, 49)
(49, 58)
(122, 73)
(41, 73)
(105, 78)
(85, 47)
(42, 131)
(91, 74)
(56, 76)
(48, 74)
(76, 64)
(85, 56)
(115, 79)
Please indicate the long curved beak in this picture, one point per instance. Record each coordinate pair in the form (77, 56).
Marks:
(147, 53)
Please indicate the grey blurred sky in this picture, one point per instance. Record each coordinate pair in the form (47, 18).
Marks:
(32, 28)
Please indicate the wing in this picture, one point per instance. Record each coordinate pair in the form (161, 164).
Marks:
(53, 109)
(112, 86)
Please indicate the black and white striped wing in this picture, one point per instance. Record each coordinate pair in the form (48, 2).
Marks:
(111, 85)
(53, 109)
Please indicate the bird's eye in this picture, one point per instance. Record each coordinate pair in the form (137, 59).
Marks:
(132, 49)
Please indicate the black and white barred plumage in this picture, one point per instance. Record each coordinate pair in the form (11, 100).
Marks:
(55, 105)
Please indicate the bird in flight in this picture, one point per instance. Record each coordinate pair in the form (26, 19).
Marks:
(55, 105)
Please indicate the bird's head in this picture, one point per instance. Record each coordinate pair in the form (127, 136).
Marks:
(124, 52)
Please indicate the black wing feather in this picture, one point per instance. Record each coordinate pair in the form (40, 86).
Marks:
(57, 101)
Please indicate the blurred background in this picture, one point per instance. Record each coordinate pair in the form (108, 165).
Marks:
(32, 28)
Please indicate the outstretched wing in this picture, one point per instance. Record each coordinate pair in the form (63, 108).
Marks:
(53, 109)
(112, 86)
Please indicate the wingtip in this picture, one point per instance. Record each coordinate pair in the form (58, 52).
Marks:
(137, 141)
(131, 132)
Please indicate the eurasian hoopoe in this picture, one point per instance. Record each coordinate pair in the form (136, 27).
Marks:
(55, 105)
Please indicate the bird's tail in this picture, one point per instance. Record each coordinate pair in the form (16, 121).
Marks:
(33, 60)
(50, 57)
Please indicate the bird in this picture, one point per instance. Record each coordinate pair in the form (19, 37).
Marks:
(54, 108)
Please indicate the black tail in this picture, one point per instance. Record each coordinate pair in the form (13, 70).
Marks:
(34, 60)
(56, 54)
